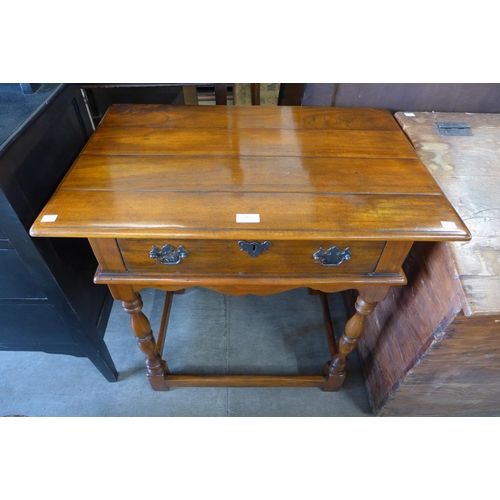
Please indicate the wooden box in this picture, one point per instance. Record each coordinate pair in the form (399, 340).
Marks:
(433, 347)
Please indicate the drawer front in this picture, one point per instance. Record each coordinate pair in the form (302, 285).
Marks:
(281, 258)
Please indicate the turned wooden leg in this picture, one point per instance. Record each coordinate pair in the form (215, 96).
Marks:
(156, 367)
(365, 304)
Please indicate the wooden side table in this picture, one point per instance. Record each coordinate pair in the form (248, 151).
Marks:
(249, 200)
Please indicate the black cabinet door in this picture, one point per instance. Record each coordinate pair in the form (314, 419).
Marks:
(48, 301)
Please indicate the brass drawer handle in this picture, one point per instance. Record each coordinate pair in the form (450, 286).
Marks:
(254, 249)
(332, 257)
(168, 255)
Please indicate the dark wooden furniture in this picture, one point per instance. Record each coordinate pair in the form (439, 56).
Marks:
(46, 303)
(433, 347)
(100, 96)
(249, 200)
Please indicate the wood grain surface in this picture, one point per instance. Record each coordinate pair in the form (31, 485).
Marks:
(468, 170)
(225, 257)
(249, 173)
(433, 347)
(185, 172)
(283, 117)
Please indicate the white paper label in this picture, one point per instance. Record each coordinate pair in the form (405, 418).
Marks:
(448, 225)
(49, 218)
(247, 218)
(409, 114)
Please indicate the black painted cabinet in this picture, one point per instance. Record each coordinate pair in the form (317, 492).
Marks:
(48, 301)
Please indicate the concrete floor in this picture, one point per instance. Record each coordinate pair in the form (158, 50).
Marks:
(208, 333)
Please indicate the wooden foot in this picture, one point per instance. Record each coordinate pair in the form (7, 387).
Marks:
(156, 367)
(335, 370)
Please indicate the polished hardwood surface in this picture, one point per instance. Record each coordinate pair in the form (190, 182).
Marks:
(318, 178)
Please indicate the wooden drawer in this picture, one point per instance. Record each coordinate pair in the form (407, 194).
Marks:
(282, 258)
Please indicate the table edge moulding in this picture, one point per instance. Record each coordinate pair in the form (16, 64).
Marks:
(334, 199)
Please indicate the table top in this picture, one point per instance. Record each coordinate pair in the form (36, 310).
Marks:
(467, 170)
(308, 172)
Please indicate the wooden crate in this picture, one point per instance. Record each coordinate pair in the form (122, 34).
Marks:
(433, 347)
